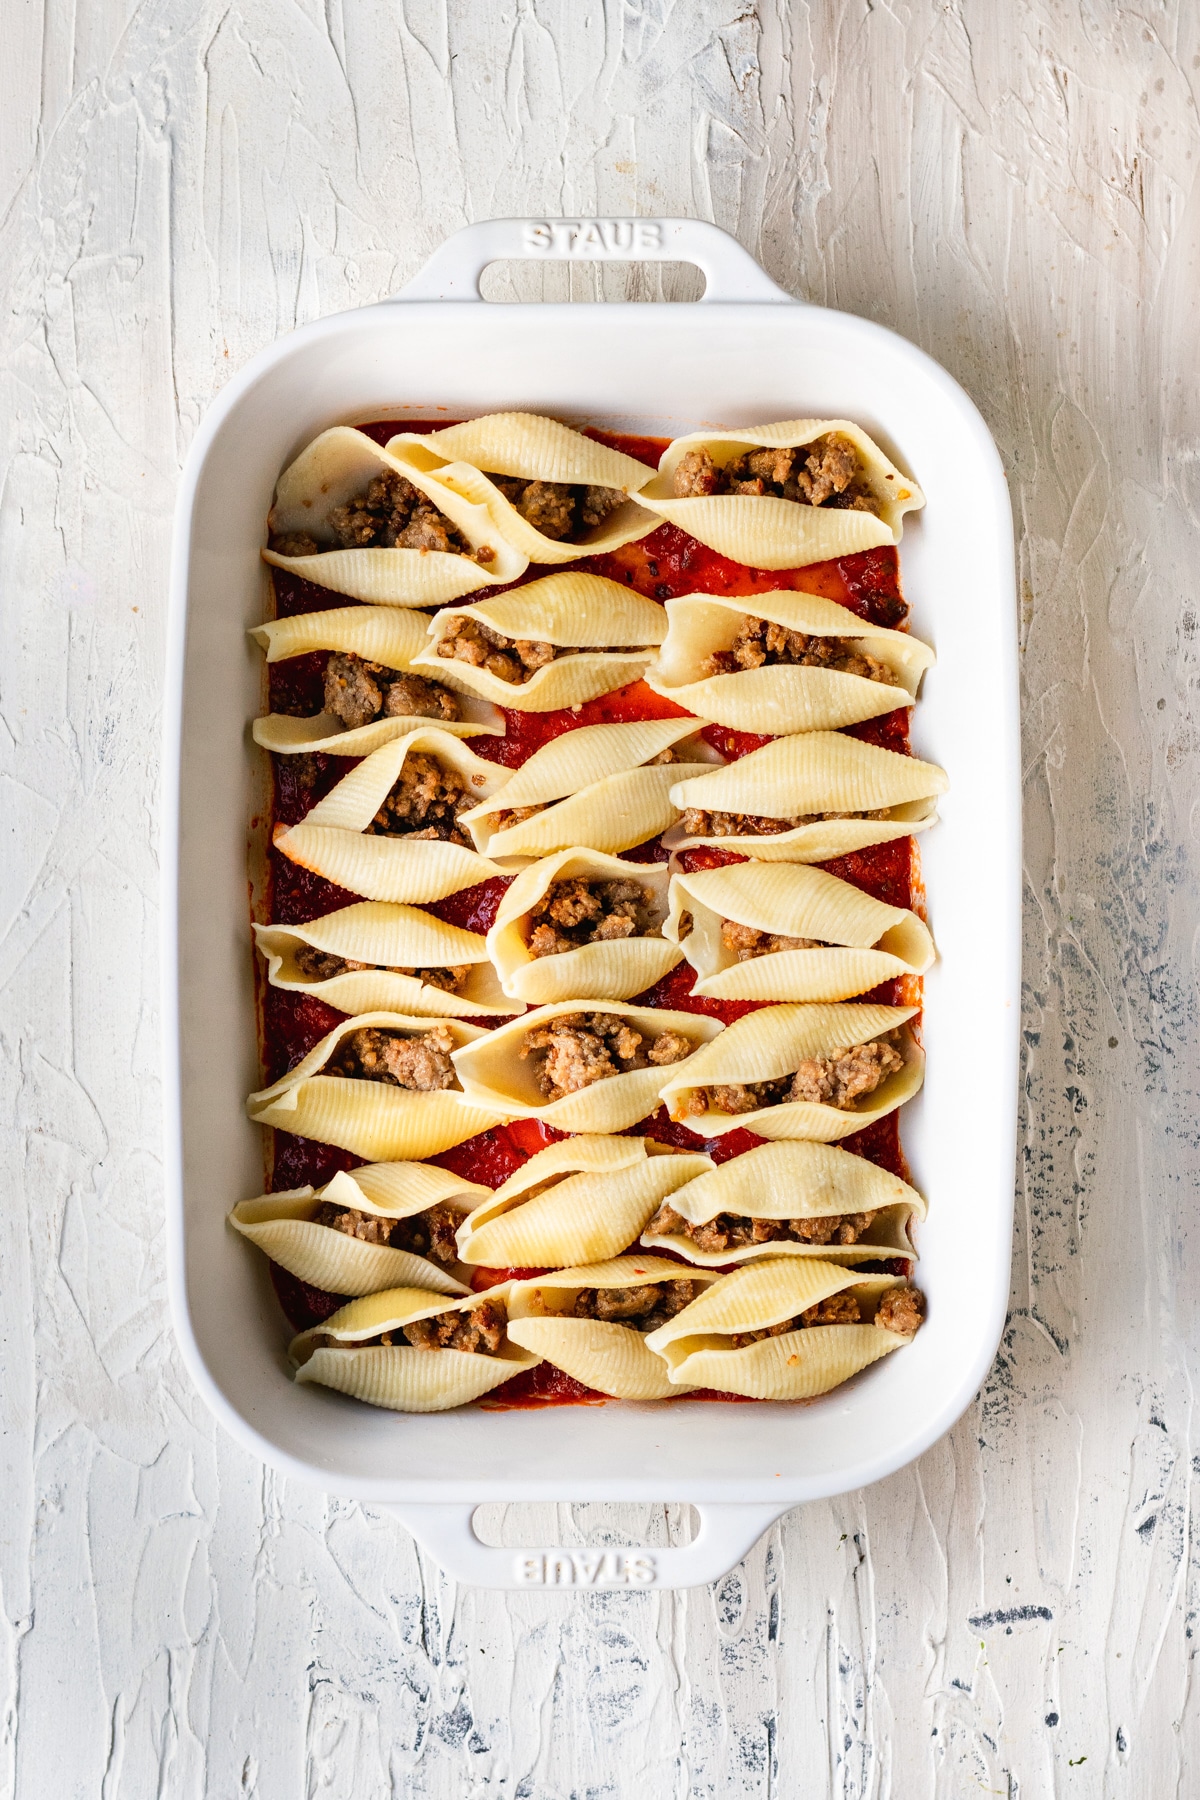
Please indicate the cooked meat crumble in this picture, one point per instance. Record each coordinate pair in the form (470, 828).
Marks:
(838, 1309)
(513, 660)
(825, 473)
(425, 802)
(420, 1063)
(761, 643)
(480, 1331)
(732, 1231)
(508, 816)
(581, 1048)
(697, 822)
(390, 513)
(840, 1079)
(429, 1233)
(902, 1310)
(357, 691)
(559, 509)
(322, 965)
(577, 911)
(644, 1308)
(747, 942)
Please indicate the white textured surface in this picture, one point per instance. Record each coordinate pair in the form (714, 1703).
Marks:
(1011, 185)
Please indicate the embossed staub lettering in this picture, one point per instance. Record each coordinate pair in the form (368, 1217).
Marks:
(587, 1568)
(593, 238)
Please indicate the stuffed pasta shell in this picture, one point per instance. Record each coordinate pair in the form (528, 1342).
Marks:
(818, 1072)
(376, 957)
(787, 1330)
(384, 1225)
(581, 1066)
(393, 828)
(413, 1351)
(382, 1086)
(594, 1322)
(780, 496)
(787, 931)
(788, 1199)
(808, 799)
(579, 1201)
(784, 662)
(585, 926)
(549, 491)
(549, 644)
(371, 693)
(352, 517)
(600, 787)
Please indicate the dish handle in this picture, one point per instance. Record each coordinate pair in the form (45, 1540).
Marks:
(727, 1532)
(730, 273)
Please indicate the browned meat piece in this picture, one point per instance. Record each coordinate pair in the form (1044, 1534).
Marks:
(352, 691)
(578, 911)
(412, 696)
(534, 655)
(837, 1309)
(366, 1227)
(846, 1076)
(425, 802)
(747, 942)
(695, 473)
(762, 642)
(481, 647)
(644, 1308)
(294, 543)
(578, 1049)
(451, 980)
(731, 1231)
(830, 467)
(595, 504)
(745, 1097)
(427, 529)
(419, 1063)
(376, 515)
(479, 1330)
(902, 1310)
(699, 823)
(322, 965)
(429, 1233)
(549, 507)
(669, 1047)
(770, 465)
(505, 817)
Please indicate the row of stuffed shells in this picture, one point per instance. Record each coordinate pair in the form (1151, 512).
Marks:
(484, 533)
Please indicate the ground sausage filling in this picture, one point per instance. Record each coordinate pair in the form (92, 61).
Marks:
(358, 691)
(479, 1331)
(697, 822)
(576, 912)
(322, 965)
(578, 1049)
(424, 803)
(747, 942)
(824, 473)
(389, 514)
(841, 1079)
(732, 1231)
(643, 1308)
(761, 643)
(902, 1310)
(429, 1233)
(559, 509)
(514, 660)
(421, 1064)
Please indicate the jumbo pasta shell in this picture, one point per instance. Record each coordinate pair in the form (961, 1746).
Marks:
(610, 1357)
(390, 938)
(794, 1180)
(616, 970)
(534, 449)
(772, 1042)
(583, 613)
(283, 1228)
(335, 467)
(370, 1118)
(493, 1073)
(770, 533)
(784, 697)
(811, 773)
(865, 942)
(596, 1207)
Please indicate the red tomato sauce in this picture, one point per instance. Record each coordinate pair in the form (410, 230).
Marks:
(660, 566)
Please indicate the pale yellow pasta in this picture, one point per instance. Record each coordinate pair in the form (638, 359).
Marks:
(284, 1228)
(767, 532)
(610, 1357)
(812, 773)
(388, 939)
(531, 448)
(587, 614)
(773, 1042)
(333, 841)
(797, 1365)
(494, 1074)
(373, 1119)
(578, 1202)
(794, 1180)
(338, 465)
(400, 1376)
(862, 941)
(782, 697)
(616, 970)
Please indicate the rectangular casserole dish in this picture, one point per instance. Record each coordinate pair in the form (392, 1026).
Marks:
(743, 354)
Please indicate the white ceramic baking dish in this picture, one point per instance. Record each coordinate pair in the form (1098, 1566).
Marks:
(745, 353)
